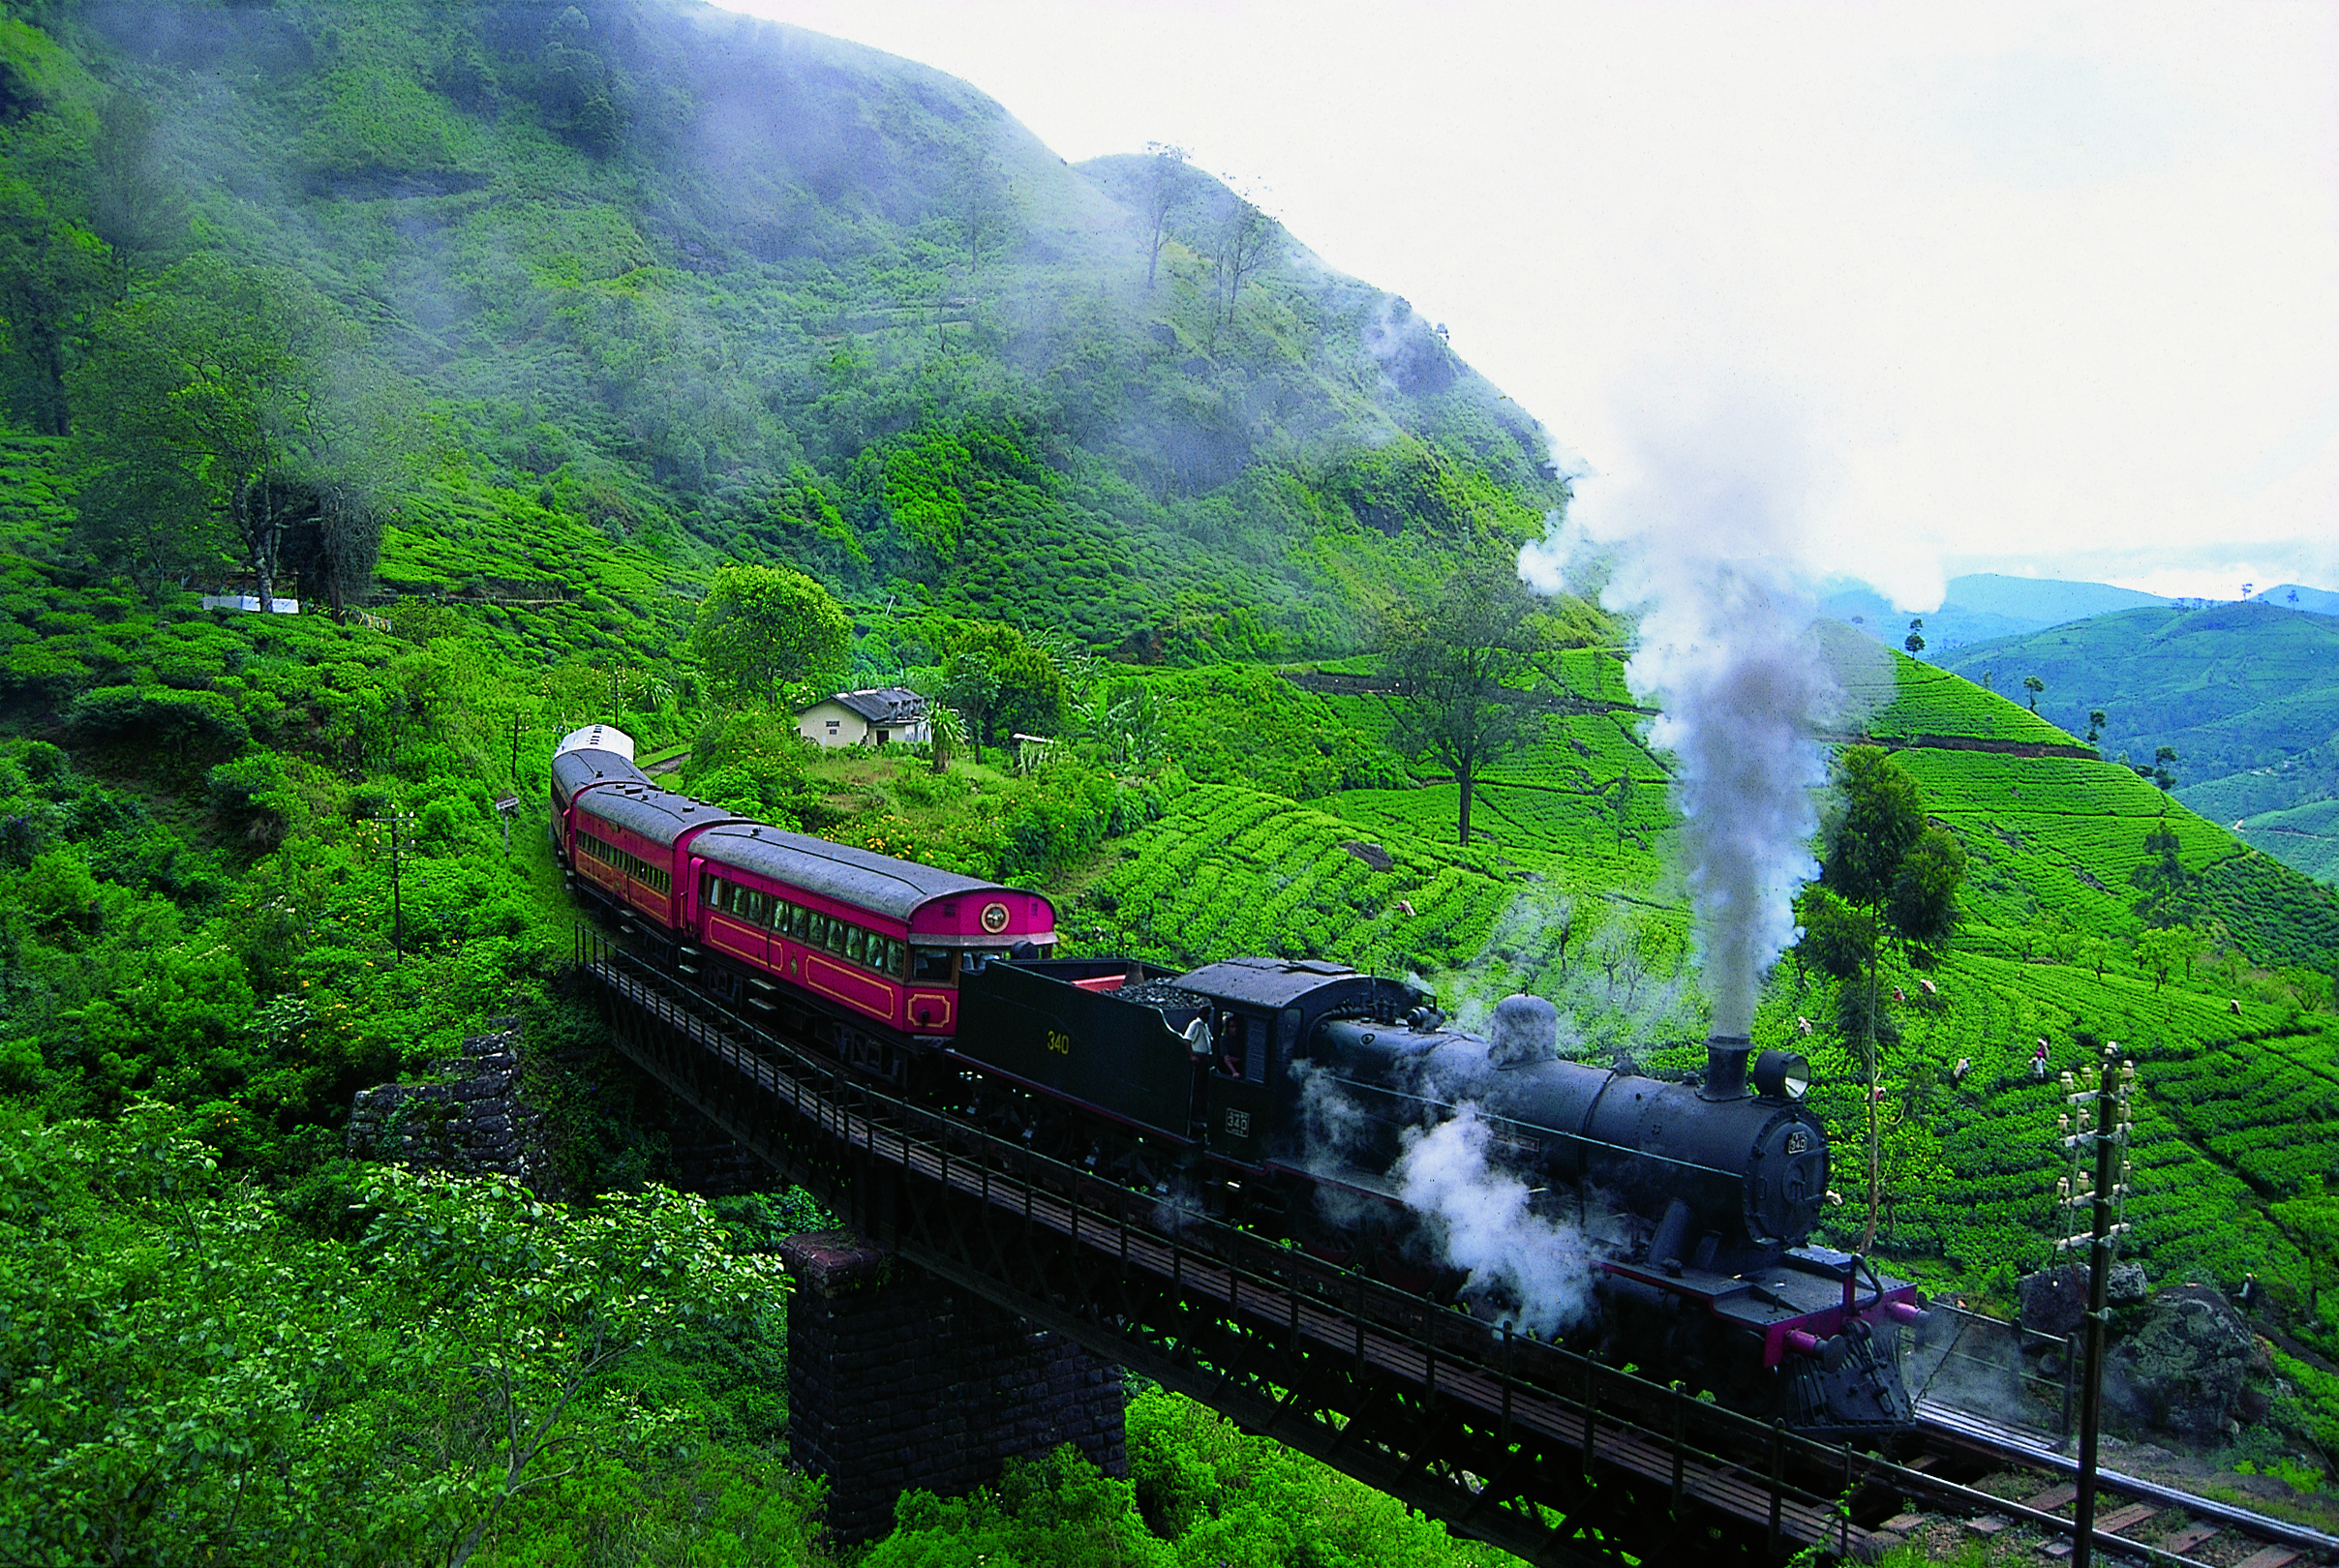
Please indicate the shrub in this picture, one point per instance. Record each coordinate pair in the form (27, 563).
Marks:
(190, 727)
(253, 791)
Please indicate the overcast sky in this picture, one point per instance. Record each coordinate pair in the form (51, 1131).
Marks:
(2051, 291)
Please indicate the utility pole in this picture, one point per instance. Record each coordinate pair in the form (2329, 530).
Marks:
(515, 771)
(400, 845)
(2104, 1115)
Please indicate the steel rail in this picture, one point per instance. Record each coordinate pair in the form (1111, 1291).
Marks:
(2000, 1440)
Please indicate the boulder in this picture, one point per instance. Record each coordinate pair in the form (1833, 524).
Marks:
(2054, 1301)
(2187, 1367)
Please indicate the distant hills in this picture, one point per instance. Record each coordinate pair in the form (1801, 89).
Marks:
(2247, 693)
(1985, 605)
(1981, 606)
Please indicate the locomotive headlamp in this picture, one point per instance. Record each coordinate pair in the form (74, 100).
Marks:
(1782, 1075)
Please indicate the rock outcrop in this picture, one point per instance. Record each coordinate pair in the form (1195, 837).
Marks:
(2188, 1366)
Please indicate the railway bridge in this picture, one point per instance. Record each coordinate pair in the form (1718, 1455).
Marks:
(1525, 1444)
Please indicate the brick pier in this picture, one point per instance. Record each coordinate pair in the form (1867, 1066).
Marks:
(898, 1380)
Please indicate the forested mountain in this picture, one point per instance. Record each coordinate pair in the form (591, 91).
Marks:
(721, 288)
(2246, 695)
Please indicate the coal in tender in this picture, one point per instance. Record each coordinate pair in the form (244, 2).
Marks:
(1162, 994)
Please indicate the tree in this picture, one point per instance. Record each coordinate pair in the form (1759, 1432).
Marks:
(1247, 242)
(1888, 879)
(1164, 189)
(2161, 949)
(766, 634)
(970, 687)
(2033, 686)
(2162, 774)
(1007, 683)
(151, 521)
(1457, 664)
(946, 732)
(332, 539)
(139, 213)
(2095, 724)
(219, 371)
(2166, 899)
(53, 278)
(1913, 641)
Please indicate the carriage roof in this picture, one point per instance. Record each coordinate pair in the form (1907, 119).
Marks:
(660, 816)
(878, 882)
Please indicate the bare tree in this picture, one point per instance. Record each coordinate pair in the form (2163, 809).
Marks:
(1247, 242)
(1164, 190)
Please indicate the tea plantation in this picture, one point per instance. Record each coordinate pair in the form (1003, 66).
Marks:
(1566, 891)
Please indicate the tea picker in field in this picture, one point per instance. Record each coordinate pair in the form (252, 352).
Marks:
(2038, 1062)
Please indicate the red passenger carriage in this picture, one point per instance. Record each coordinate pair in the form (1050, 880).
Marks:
(756, 909)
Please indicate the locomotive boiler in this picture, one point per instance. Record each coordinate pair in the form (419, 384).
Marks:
(1282, 1095)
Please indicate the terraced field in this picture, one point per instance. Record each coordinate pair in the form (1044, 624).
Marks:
(1568, 892)
(1892, 697)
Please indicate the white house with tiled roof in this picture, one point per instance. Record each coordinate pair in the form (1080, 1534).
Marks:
(871, 717)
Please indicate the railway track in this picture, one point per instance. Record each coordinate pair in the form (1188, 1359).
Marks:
(1688, 1458)
(1616, 1422)
(2135, 1519)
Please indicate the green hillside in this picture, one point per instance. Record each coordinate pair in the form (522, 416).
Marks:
(2304, 837)
(2246, 694)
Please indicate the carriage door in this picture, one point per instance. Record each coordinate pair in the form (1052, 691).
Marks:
(1242, 1101)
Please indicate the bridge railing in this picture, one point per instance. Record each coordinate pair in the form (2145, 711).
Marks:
(771, 1093)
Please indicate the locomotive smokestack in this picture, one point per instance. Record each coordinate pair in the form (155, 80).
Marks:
(1726, 1067)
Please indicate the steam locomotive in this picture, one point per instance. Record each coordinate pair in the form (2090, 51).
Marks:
(1287, 1096)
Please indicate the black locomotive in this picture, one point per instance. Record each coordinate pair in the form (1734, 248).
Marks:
(1287, 1095)
(1295, 1098)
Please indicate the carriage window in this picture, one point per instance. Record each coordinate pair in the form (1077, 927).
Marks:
(800, 921)
(816, 929)
(856, 943)
(837, 931)
(930, 964)
(897, 959)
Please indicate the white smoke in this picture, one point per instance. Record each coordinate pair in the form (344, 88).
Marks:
(1535, 1270)
(1701, 540)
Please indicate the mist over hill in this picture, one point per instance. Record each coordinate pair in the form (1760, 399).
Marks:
(1980, 606)
(715, 286)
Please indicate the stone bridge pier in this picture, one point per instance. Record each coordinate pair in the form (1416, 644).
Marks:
(898, 1380)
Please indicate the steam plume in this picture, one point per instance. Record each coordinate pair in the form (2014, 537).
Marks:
(1538, 1269)
(1701, 546)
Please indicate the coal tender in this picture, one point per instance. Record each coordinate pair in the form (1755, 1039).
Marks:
(1286, 1095)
